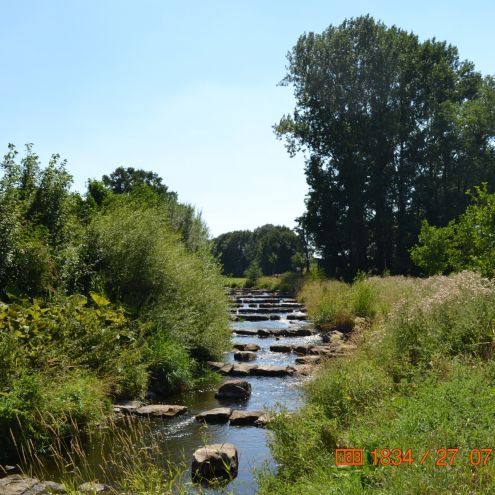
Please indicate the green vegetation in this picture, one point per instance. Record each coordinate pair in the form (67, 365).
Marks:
(395, 131)
(102, 296)
(269, 249)
(467, 243)
(422, 378)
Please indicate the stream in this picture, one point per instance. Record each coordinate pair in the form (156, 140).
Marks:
(179, 437)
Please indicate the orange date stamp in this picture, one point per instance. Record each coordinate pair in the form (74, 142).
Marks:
(398, 457)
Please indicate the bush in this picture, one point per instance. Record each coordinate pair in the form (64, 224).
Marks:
(170, 366)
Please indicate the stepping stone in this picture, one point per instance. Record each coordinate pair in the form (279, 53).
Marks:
(298, 332)
(242, 369)
(218, 415)
(281, 348)
(303, 349)
(161, 410)
(245, 418)
(215, 462)
(247, 347)
(272, 370)
(215, 365)
(127, 407)
(244, 356)
(298, 317)
(246, 331)
(234, 389)
(226, 368)
(308, 360)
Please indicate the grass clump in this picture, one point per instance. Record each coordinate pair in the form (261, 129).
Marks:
(421, 379)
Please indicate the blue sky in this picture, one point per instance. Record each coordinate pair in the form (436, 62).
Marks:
(187, 88)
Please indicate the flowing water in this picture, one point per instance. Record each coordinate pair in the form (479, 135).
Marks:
(181, 436)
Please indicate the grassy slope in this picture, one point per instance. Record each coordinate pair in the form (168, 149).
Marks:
(423, 378)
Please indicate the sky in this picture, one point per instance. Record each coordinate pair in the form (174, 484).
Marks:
(188, 89)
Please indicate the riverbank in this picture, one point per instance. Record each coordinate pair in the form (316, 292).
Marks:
(420, 381)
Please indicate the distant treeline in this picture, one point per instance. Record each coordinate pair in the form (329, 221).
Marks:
(395, 131)
(273, 248)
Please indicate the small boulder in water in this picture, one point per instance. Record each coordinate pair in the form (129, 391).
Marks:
(215, 462)
(234, 389)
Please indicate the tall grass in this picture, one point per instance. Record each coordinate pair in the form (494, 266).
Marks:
(422, 379)
(129, 459)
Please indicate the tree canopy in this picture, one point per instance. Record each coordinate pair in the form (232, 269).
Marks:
(395, 130)
(276, 249)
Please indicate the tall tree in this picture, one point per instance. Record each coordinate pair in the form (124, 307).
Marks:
(395, 130)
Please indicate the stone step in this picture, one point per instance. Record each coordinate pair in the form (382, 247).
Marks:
(257, 317)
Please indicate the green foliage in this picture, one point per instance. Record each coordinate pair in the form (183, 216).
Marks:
(421, 379)
(170, 365)
(145, 266)
(253, 273)
(464, 244)
(276, 249)
(68, 267)
(395, 130)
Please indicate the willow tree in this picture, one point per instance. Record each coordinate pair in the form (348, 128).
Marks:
(394, 131)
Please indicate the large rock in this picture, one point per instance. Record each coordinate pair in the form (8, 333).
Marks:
(215, 462)
(247, 347)
(242, 369)
(234, 389)
(272, 370)
(17, 484)
(215, 365)
(333, 337)
(244, 356)
(161, 410)
(218, 415)
(245, 418)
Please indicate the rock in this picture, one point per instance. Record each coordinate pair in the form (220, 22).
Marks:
(17, 484)
(161, 410)
(234, 389)
(263, 333)
(127, 407)
(281, 348)
(215, 462)
(226, 369)
(303, 349)
(299, 332)
(333, 337)
(215, 365)
(52, 487)
(244, 356)
(247, 347)
(262, 421)
(245, 418)
(218, 415)
(296, 316)
(247, 331)
(242, 369)
(321, 350)
(304, 369)
(272, 370)
(92, 487)
(308, 360)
